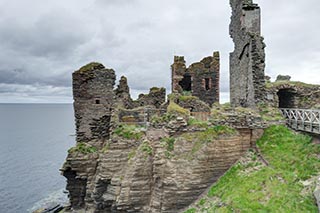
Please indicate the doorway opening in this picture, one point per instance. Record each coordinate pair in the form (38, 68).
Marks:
(286, 98)
(185, 83)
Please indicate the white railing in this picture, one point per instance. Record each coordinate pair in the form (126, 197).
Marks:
(302, 119)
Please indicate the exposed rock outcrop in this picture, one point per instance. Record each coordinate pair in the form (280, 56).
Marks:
(154, 172)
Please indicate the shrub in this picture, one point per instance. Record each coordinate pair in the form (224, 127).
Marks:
(131, 154)
(83, 148)
(193, 210)
(129, 132)
(169, 144)
(145, 147)
(197, 123)
(165, 118)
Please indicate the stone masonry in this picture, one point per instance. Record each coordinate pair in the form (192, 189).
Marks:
(201, 79)
(291, 94)
(247, 61)
(93, 101)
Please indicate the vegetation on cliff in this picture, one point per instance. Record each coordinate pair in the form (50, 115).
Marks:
(83, 148)
(131, 132)
(285, 185)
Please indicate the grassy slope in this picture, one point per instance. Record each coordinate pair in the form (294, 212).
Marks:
(253, 187)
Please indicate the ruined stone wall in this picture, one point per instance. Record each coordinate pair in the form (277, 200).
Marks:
(155, 98)
(93, 101)
(201, 79)
(134, 169)
(122, 94)
(288, 94)
(247, 61)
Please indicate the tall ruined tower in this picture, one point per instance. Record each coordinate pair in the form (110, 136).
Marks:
(247, 61)
(93, 99)
(201, 79)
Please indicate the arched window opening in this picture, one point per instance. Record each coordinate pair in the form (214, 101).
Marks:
(286, 98)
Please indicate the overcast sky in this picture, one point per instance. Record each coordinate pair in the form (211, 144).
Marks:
(43, 42)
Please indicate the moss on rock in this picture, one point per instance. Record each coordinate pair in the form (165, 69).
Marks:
(91, 66)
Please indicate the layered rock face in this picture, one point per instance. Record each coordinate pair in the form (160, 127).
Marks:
(147, 174)
(247, 61)
(201, 79)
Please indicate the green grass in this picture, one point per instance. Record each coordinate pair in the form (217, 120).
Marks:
(193, 210)
(168, 143)
(187, 98)
(209, 135)
(91, 66)
(202, 202)
(291, 83)
(83, 148)
(274, 188)
(197, 123)
(174, 108)
(146, 148)
(165, 118)
(130, 132)
(268, 113)
(132, 153)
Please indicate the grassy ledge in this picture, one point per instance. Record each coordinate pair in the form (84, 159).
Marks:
(83, 148)
(130, 132)
(280, 187)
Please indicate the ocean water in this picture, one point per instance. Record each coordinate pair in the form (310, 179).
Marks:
(34, 139)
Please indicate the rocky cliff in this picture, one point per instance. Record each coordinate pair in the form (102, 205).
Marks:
(154, 170)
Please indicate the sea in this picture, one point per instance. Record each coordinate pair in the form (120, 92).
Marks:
(34, 140)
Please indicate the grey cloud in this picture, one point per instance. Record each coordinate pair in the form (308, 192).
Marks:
(42, 45)
(34, 93)
(54, 35)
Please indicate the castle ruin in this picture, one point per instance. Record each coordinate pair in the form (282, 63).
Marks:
(200, 79)
(165, 164)
(247, 61)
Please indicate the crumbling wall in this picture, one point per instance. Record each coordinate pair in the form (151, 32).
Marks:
(97, 107)
(200, 79)
(290, 94)
(123, 94)
(192, 103)
(247, 61)
(155, 98)
(93, 101)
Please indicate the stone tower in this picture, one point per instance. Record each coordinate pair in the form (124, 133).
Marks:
(201, 79)
(247, 61)
(93, 100)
